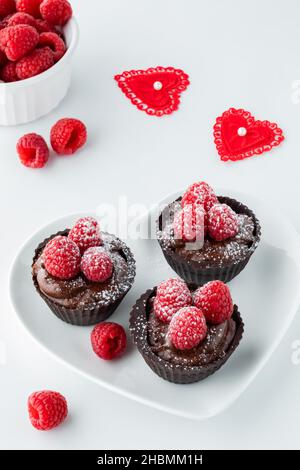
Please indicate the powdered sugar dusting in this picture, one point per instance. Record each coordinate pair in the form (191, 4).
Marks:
(86, 233)
(213, 253)
(83, 294)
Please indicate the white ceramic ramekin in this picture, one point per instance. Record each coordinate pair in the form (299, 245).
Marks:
(28, 100)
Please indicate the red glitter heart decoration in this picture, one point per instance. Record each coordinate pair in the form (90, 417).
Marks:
(238, 135)
(156, 90)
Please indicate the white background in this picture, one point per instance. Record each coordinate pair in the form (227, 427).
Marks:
(242, 54)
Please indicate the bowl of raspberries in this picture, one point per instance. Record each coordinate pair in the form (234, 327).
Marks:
(37, 42)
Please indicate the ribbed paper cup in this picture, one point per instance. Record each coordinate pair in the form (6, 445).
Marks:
(191, 271)
(178, 374)
(84, 316)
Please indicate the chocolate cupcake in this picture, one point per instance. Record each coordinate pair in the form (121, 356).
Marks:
(88, 290)
(183, 362)
(231, 234)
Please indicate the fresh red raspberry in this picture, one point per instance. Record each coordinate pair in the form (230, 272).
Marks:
(17, 41)
(55, 43)
(8, 73)
(33, 151)
(57, 12)
(108, 340)
(86, 233)
(21, 18)
(187, 328)
(32, 7)
(163, 311)
(222, 222)
(190, 223)
(47, 409)
(3, 59)
(171, 295)
(96, 264)
(44, 27)
(200, 193)
(35, 63)
(62, 258)
(67, 136)
(214, 299)
(7, 7)
(4, 22)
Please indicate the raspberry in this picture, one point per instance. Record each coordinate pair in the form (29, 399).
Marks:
(187, 328)
(35, 63)
(32, 7)
(3, 59)
(8, 73)
(62, 258)
(47, 409)
(222, 222)
(57, 12)
(86, 233)
(214, 299)
(108, 340)
(171, 295)
(4, 22)
(21, 18)
(44, 27)
(7, 7)
(190, 223)
(200, 193)
(67, 136)
(96, 264)
(17, 41)
(55, 43)
(33, 151)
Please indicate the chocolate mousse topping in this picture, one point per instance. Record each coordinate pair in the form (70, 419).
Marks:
(82, 293)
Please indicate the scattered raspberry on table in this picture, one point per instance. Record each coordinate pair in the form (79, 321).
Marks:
(108, 340)
(67, 136)
(47, 409)
(32, 148)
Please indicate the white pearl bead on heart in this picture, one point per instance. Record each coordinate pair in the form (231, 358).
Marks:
(242, 131)
(157, 86)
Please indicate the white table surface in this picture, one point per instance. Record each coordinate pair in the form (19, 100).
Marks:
(242, 54)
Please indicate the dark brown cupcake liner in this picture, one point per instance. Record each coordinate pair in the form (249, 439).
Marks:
(178, 374)
(190, 270)
(83, 316)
